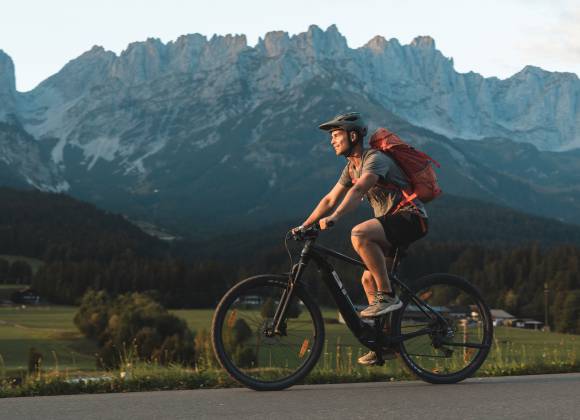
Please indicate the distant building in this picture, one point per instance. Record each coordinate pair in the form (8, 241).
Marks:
(529, 324)
(26, 296)
(459, 312)
(500, 317)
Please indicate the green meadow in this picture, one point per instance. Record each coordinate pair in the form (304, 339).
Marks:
(50, 331)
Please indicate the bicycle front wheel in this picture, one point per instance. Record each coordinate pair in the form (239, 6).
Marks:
(244, 341)
(452, 340)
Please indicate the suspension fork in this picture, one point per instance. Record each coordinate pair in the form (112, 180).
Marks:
(278, 322)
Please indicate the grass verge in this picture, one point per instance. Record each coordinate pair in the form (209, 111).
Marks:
(147, 377)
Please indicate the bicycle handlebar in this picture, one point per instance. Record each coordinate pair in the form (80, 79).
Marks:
(310, 232)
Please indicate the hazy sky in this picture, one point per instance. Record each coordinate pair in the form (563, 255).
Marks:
(491, 37)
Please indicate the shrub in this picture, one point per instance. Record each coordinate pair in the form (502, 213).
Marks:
(134, 326)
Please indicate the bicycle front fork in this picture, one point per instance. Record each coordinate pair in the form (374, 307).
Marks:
(279, 320)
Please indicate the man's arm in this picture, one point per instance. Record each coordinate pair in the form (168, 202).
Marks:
(327, 203)
(352, 198)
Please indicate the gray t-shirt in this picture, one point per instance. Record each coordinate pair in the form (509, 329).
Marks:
(382, 200)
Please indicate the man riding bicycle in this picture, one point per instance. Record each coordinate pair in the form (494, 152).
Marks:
(365, 174)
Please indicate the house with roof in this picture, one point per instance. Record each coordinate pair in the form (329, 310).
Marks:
(527, 323)
(500, 317)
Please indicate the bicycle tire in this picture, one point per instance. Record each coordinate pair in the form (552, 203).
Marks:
(484, 324)
(255, 284)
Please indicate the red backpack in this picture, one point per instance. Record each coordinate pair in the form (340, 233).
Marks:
(414, 163)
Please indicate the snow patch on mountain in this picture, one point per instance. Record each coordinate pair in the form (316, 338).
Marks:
(100, 148)
(60, 187)
(138, 164)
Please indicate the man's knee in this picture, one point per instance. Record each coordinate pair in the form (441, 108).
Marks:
(358, 236)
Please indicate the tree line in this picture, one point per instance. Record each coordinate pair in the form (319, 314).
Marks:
(54, 227)
(15, 272)
(172, 281)
(513, 279)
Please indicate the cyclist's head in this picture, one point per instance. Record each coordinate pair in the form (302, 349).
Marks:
(352, 124)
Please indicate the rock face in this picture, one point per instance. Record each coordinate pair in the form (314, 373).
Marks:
(419, 84)
(7, 86)
(416, 82)
(194, 125)
(25, 164)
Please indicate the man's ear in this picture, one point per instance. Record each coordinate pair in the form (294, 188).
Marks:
(353, 136)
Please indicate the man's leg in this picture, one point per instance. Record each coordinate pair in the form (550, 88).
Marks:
(369, 285)
(369, 241)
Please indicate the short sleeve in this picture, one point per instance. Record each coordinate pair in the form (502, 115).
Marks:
(376, 163)
(345, 179)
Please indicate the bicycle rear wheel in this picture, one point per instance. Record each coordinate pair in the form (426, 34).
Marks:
(243, 340)
(454, 344)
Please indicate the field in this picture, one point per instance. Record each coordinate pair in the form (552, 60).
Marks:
(50, 331)
(47, 329)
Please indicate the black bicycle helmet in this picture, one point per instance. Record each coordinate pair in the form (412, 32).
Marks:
(351, 121)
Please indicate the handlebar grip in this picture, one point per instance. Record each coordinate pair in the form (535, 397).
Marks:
(330, 224)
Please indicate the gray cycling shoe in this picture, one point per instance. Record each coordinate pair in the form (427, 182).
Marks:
(382, 304)
(371, 359)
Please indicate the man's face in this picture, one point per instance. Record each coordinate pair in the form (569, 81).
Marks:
(339, 140)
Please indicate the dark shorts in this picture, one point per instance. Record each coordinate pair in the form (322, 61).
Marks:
(402, 229)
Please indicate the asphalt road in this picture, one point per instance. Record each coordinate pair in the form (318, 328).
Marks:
(517, 397)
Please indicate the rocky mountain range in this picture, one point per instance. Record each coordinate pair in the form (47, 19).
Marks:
(201, 134)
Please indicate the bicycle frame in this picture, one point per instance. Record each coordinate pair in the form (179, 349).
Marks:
(369, 336)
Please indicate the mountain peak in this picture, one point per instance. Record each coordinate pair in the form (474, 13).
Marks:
(322, 42)
(83, 72)
(7, 78)
(378, 43)
(236, 42)
(529, 69)
(97, 49)
(97, 52)
(274, 43)
(189, 40)
(530, 72)
(423, 42)
(151, 44)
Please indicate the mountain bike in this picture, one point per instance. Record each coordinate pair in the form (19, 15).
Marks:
(268, 332)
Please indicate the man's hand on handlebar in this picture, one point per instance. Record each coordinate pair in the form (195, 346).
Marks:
(298, 229)
(299, 232)
(328, 222)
